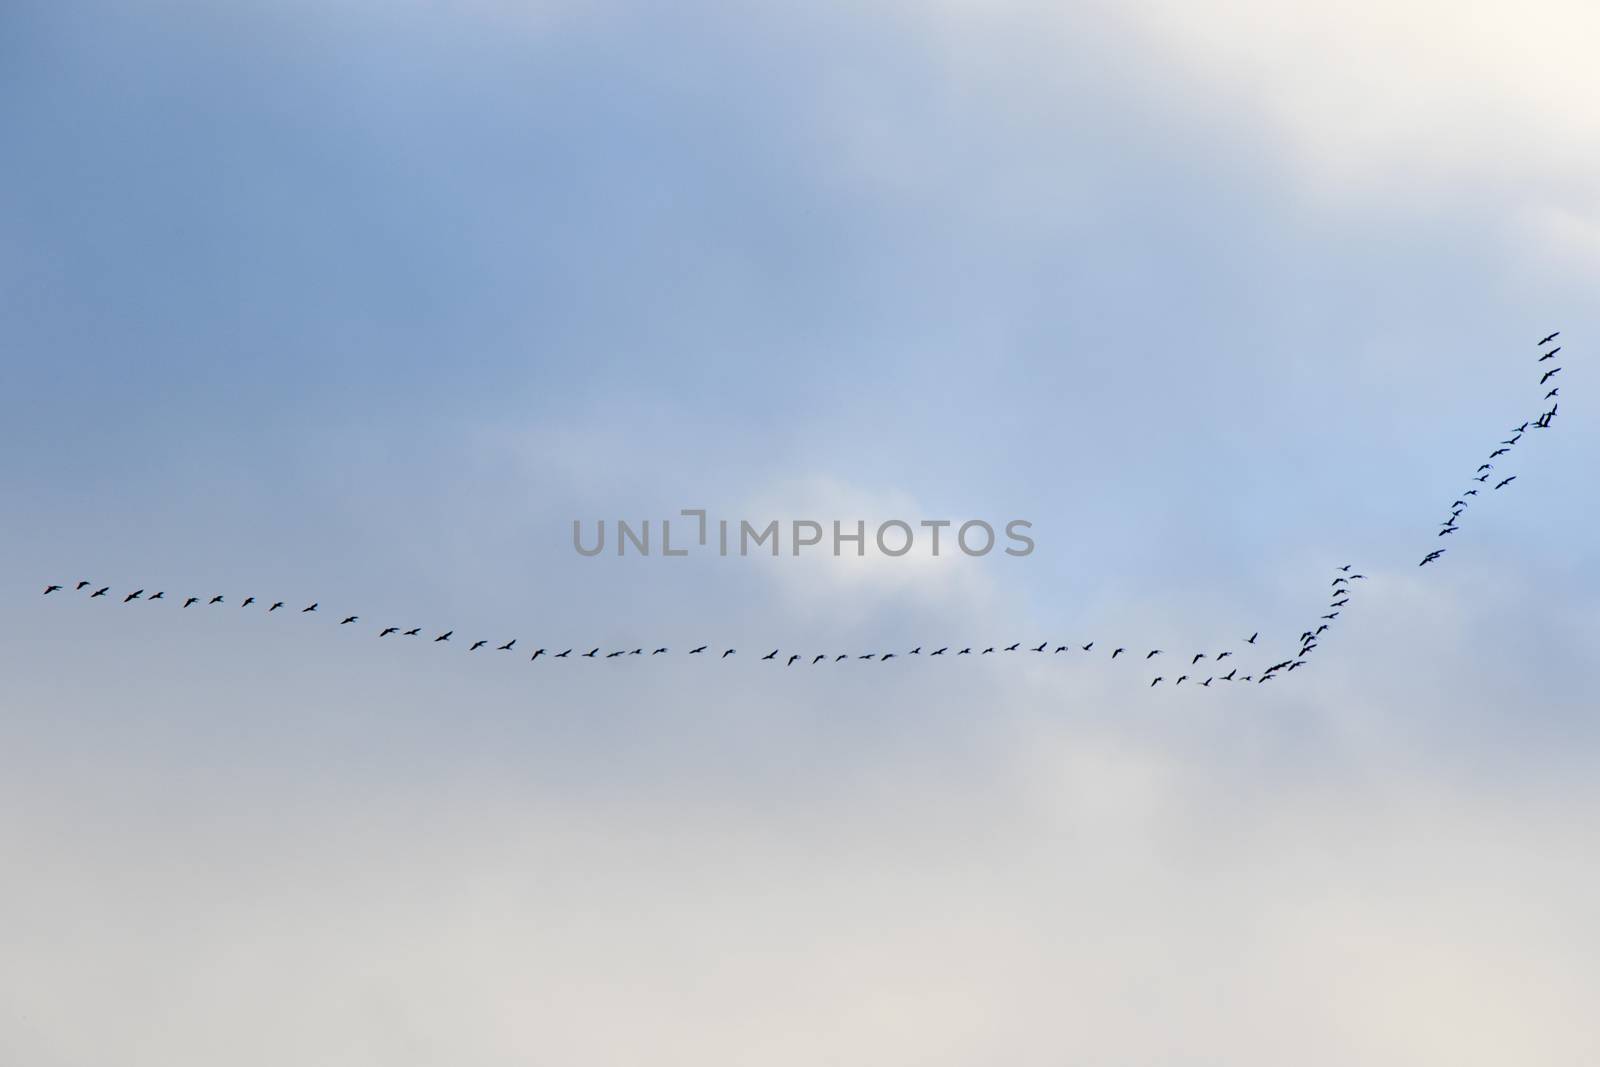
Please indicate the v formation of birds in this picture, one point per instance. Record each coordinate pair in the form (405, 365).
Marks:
(1186, 668)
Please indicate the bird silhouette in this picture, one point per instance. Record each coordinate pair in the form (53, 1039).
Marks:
(313, 607)
(81, 586)
(609, 655)
(1013, 647)
(507, 646)
(276, 605)
(1552, 393)
(387, 630)
(886, 657)
(728, 653)
(1551, 373)
(1547, 339)
(443, 637)
(563, 655)
(1506, 482)
(191, 600)
(791, 661)
(536, 654)
(819, 659)
(771, 654)
(940, 651)
(162, 595)
(658, 651)
(1486, 467)
(135, 595)
(1198, 656)
(1229, 676)
(697, 651)
(591, 653)
(1223, 655)
(1153, 683)
(1181, 679)
(839, 657)
(1117, 652)
(1041, 646)
(1089, 646)
(216, 599)
(915, 651)
(348, 619)
(988, 650)
(1206, 683)
(1253, 637)
(1430, 557)
(248, 601)
(965, 652)
(1335, 615)
(413, 632)
(50, 589)
(1549, 355)
(1152, 652)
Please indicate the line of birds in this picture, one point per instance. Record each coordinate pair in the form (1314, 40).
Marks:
(1486, 470)
(1308, 642)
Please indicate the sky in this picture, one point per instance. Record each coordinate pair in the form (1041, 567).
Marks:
(365, 304)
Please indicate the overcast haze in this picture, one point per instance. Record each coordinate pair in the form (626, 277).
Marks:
(365, 303)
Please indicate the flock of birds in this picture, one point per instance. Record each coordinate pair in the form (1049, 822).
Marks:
(1486, 470)
(1189, 664)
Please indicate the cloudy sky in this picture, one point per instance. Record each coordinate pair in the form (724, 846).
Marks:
(365, 303)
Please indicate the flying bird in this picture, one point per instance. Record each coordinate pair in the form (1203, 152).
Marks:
(50, 589)
(791, 661)
(1181, 679)
(697, 651)
(563, 655)
(348, 619)
(591, 653)
(965, 652)
(1335, 615)
(507, 646)
(729, 652)
(1041, 646)
(1253, 638)
(83, 584)
(819, 659)
(1546, 340)
(191, 600)
(1229, 676)
(248, 601)
(1551, 373)
(1198, 656)
(1223, 655)
(1430, 557)
(443, 637)
(216, 599)
(413, 632)
(1117, 652)
(770, 655)
(658, 651)
(940, 651)
(162, 595)
(313, 607)
(275, 607)
(1013, 647)
(1088, 646)
(1153, 684)
(387, 630)
(1153, 652)
(1549, 355)
(1486, 467)
(536, 654)
(1507, 482)
(886, 656)
(135, 595)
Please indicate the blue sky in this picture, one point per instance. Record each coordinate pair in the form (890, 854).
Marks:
(366, 303)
